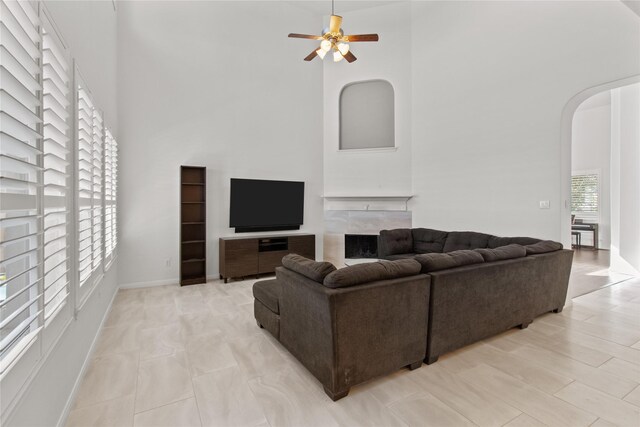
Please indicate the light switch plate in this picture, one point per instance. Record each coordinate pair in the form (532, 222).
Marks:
(544, 204)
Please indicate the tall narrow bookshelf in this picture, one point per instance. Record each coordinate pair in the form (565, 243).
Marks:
(193, 256)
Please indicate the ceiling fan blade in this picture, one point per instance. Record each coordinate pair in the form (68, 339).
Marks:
(311, 55)
(334, 24)
(350, 57)
(304, 36)
(360, 38)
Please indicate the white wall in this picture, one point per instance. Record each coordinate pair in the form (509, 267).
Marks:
(379, 172)
(490, 80)
(215, 84)
(625, 188)
(591, 152)
(89, 28)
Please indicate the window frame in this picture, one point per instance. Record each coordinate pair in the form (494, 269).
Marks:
(111, 227)
(85, 288)
(56, 324)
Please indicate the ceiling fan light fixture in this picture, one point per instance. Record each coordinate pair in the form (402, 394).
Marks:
(334, 39)
(325, 45)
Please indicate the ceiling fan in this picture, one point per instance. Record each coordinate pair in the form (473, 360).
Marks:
(333, 39)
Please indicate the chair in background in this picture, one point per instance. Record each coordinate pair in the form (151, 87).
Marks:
(577, 234)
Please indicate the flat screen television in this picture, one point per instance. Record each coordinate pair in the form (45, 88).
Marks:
(263, 205)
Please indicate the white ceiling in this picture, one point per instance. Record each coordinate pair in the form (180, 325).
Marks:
(324, 7)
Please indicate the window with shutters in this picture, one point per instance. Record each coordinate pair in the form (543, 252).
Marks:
(585, 196)
(21, 179)
(110, 194)
(58, 186)
(84, 154)
(96, 199)
(56, 104)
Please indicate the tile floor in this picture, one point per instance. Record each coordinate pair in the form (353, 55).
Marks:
(193, 356)
(590, 271)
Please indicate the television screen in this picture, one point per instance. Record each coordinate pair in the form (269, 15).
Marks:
(257, 203)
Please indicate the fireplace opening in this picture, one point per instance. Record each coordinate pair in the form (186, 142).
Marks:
(360, 246)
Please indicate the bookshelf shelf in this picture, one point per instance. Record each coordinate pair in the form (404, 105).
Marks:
(193, 225)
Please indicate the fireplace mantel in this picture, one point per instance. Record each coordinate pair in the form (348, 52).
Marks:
(366, 203)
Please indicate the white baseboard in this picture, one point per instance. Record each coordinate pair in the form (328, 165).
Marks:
(149, 284)
(76, 386)
(163, 282)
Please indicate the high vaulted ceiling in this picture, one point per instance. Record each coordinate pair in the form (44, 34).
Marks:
(324, 7)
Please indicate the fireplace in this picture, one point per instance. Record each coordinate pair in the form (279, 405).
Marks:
(360, 246)
(344, 217)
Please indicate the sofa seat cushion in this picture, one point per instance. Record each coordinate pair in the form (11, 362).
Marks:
(543, 247)
(311, 269)
(502, 252)
(371, 272)
(496, 242)
(400, 256)
(398, 241)
(459, 240)
(268, 293)
(426, 240)
(437, 262)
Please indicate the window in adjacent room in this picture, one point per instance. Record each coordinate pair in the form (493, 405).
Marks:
(585, 196)
(367, 115)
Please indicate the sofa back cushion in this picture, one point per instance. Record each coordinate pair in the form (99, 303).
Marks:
(502, 252)
(458, 240)
(426, 240)
(435, 261)
(543, 247)
(397, 241)
(496, 242)
(314, 270)
(371, 272)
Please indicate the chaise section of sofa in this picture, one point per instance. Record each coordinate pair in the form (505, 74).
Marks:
(359, 323)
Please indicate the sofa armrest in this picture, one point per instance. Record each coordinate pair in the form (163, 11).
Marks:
(553, 271)
(349, 335)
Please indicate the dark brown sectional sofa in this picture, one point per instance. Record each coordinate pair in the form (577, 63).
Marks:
(481, 284)
(436, 292)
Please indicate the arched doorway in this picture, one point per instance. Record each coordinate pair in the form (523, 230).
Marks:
(600, 164)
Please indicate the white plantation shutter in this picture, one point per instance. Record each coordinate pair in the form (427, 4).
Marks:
(56, 102)
(98, 152)
(21, 176)
(585, 196)
(85, 182)
(58, 185)
(110, 190)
